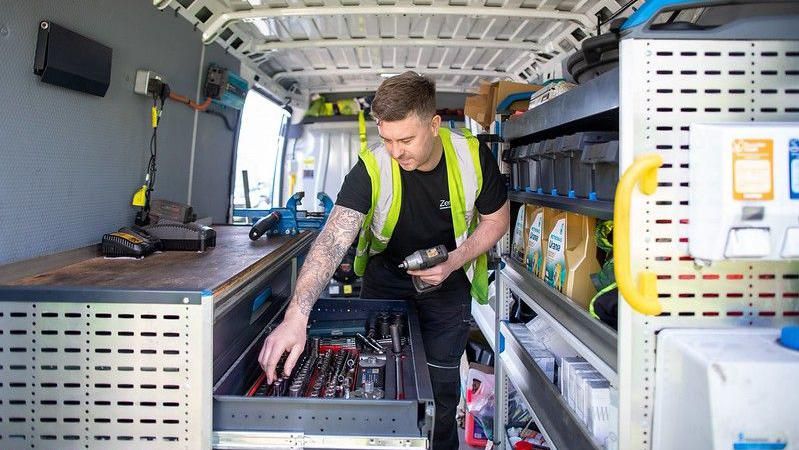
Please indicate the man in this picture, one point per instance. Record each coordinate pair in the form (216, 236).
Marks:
(434, 163)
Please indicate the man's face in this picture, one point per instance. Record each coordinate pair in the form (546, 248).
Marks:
(410, 141)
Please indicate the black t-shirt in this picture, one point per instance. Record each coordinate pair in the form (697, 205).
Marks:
(425, 220)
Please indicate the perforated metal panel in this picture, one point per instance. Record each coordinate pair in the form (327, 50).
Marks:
(666, 85)
(123, 375)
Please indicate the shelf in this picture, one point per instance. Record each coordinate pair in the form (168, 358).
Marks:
(596, 101)
(593, 208)
(561, 427)
(489, 138)
(592, 339)
(485, 317)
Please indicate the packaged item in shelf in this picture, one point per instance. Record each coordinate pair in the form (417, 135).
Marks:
(547, 338)
(551, 89)
(575, 399)
(568, 367)
(480, 405)
(597, 404)
(518, 244)
(571, 257)
(478, 107)
(536, 348)
(582, 385)
(501, 90)
(525, 439)
(540, 219)
(546, 361)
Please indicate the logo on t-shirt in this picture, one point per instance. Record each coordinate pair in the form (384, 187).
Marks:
(444, 204)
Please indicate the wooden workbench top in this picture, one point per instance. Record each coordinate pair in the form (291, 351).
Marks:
(234, 257)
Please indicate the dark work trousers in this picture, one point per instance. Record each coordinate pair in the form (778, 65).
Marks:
(444, 321)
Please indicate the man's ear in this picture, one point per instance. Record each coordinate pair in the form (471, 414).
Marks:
(435, 124)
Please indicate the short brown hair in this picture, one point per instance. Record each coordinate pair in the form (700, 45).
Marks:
(403, 94)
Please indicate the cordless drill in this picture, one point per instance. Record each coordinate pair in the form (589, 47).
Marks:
(424, 259)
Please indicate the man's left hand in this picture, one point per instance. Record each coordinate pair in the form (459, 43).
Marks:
(436, 274)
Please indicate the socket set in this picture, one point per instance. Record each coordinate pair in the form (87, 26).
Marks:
(348, 367)
(349, 380)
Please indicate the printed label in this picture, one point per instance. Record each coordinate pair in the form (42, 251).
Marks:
(555, 273)
(518, 236)
(752, 169)
(793, 168)
(128, 236)
(535, 257)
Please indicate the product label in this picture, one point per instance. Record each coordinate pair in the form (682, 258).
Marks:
(752, 169)
(555, 273)
(128, 236)
(517, 251)
(793, 168)
(535, 257)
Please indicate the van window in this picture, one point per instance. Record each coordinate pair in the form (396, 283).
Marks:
(259, 151)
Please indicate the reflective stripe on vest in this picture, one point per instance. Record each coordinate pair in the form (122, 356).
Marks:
(464, 179)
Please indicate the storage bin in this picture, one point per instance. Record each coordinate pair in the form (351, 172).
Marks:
(515, 181)
(546, 155)
(602, 162)
(572, 174)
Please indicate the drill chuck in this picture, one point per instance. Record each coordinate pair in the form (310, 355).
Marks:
(424, 259)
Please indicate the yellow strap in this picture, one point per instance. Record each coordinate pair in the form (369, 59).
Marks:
(362, 131)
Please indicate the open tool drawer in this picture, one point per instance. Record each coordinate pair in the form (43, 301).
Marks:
(241, 421)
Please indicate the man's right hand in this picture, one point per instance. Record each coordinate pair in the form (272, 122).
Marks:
(289, 337)
(325, 254)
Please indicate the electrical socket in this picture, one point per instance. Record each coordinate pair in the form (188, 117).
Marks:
(147, 83)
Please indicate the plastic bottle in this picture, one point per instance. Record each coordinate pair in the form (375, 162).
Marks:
(571, 256)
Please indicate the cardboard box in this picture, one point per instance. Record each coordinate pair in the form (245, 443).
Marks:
(598, 406)
(477, 107)
(501, 89)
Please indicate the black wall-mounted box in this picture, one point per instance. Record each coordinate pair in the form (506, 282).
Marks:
(70, 60)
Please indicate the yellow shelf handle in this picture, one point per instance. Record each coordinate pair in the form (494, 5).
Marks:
(643, 296)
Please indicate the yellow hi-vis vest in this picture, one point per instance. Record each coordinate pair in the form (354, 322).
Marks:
(465, 179)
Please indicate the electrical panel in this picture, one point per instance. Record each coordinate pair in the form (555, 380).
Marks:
(744, 196)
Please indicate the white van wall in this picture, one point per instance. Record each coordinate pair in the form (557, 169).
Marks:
(333, 147)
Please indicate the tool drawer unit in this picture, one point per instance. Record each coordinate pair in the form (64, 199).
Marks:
(159, 353)
(270, 420)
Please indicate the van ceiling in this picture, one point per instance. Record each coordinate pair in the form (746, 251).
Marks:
(306, 46)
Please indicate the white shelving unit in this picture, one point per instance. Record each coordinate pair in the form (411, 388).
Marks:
(655, 108)
(485, 317)
(590, 338)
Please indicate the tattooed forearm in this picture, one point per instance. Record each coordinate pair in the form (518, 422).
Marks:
(326, 252)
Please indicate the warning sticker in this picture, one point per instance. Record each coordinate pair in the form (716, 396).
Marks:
(752, 169)
(793, 168)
